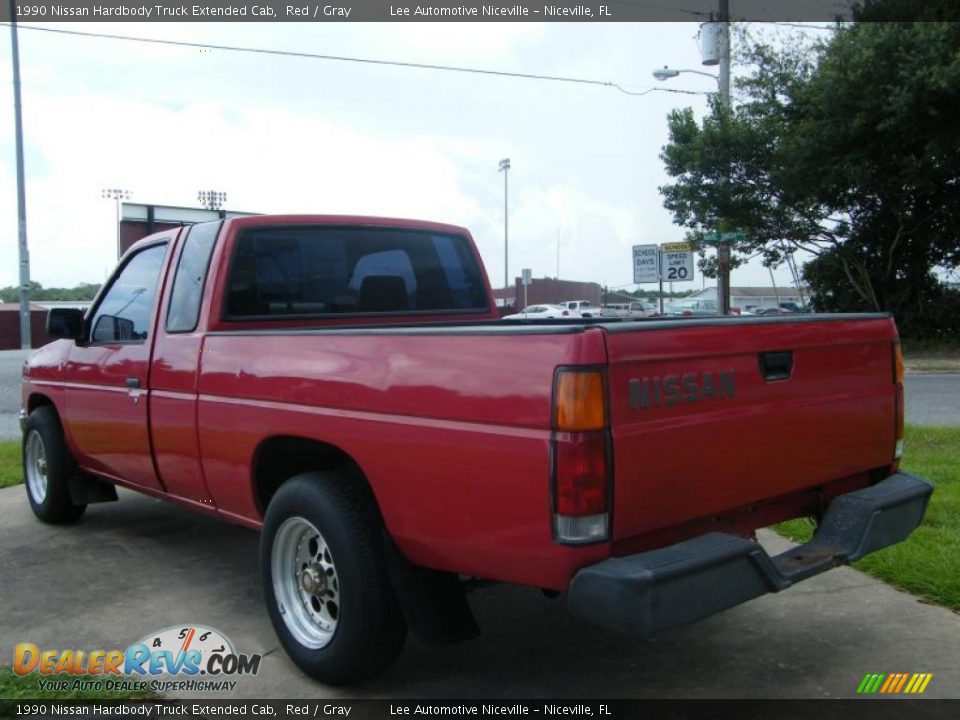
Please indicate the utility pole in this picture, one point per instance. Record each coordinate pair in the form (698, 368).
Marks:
(24, 254)
(505, 169)
(723, 249)
(558, 253)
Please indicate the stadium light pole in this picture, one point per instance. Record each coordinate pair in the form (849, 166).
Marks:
(117, 195)
(505, 169)
(212, 199)
(23, 252)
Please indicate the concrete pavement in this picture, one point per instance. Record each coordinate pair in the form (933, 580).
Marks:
(11, 364)
(141, 565)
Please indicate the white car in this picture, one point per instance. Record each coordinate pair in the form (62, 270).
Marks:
(581, 308)
(540, 312)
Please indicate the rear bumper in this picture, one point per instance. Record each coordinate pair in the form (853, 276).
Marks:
(652, 591)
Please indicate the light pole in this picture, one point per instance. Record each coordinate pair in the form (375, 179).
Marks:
(505, 169)
(24, 254)
(723, 87)
(117, 195)
(723, 249)
(212, 199)
(665, 73)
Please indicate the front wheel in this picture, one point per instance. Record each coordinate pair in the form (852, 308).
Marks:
(325, 578)
(47, 468)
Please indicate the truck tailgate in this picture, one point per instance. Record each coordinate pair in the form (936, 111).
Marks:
(707, 416)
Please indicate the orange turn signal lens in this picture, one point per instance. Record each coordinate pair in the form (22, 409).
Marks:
(579, 401)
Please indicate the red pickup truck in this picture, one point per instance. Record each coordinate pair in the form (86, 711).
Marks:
(343, 384)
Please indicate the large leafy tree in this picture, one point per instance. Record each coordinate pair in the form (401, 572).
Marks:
(846, 148)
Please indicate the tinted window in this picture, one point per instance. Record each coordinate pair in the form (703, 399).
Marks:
(124, 313)
(191, 274)
(304, 270)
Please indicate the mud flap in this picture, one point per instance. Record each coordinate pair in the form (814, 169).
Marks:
(433, 602)
(86, 490)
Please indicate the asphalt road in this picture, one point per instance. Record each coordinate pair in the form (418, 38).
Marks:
(141, 565)
(11, 364)
(932, 398)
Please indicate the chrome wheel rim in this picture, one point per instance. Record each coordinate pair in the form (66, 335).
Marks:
(305, 583)
(35, 467)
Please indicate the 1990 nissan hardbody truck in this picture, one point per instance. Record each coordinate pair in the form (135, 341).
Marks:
(344, 385)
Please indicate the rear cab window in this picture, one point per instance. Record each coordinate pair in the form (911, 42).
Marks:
(320, 271)
(188, 282)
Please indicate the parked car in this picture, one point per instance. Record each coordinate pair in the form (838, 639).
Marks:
(641, 309)
(539, 312)
(693, 307)
(772, 311)
(580, 308)
(635, 309)
(344, 386)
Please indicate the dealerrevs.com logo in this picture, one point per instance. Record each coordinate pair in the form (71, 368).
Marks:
(185, 652)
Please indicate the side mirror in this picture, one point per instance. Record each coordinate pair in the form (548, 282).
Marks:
(110, 328)
(65, 323)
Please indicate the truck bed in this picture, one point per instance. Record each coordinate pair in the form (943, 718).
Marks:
(428, 392)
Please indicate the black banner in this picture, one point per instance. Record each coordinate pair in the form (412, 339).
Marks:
(865, 709)
(413, 11)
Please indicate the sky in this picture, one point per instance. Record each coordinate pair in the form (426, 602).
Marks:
(285, 134)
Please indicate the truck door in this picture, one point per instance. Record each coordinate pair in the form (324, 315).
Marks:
(107, 377)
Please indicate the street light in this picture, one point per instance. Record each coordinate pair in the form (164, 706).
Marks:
(117, 195)
(665, 73)
(505, 169)
(212, 199)
(23, 253)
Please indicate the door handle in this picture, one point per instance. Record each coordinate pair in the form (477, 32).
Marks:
(133, 383)
(776, 365)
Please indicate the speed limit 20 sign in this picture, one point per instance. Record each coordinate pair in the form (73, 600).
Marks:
(676, 262)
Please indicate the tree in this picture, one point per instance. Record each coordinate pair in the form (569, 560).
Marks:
(845, 148)
(82, 292)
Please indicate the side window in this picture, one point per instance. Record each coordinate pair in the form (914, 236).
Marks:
(191, 274)
(124, 313)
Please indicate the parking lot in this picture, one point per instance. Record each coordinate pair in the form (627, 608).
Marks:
(141, 565)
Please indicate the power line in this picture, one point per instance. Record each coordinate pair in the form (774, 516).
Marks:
(365, 61)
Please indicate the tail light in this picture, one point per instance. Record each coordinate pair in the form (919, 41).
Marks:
(898, 401)
(581, 458)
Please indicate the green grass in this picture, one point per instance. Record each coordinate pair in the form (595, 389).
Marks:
(14, 687)
(928, 563)
(11, 472)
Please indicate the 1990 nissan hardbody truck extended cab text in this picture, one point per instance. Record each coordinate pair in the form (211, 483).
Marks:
(343, 384)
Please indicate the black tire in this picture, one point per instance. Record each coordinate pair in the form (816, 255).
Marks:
(46, 458)
(369, 629)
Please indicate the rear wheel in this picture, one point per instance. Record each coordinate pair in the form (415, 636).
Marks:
(47, 468)
(325, 578)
